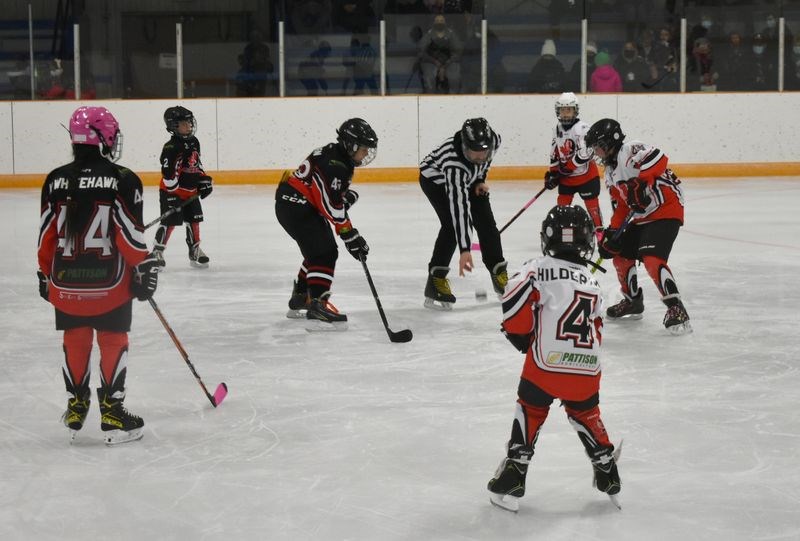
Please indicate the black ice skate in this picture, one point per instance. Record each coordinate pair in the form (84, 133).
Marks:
(197, 258)
(676, 320)
(627, 308)
(606, 475)
(500, 277)
(323, 316)
(298, 303)
(438, 295)
(508, 484)
(117, 423)
(77, 409)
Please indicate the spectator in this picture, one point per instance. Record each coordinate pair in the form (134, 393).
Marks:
(309, 16)
(353, 16)
(707, 28)
(760, 71)
(604, 78)
(770, 33)
(312, 70)
(665, 54)
(631, 68)
(732, 65)
(440, 58)
(255, 66)
(646, 47)
(574, 77)
(547, 75)
(701, 74)
(361, 60)
(792, 69)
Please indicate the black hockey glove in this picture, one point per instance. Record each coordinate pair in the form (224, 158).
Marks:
(638, 199)
(350, 197)
(551, 180)
(355, 244)
(145, 277)
(44, 286)
(520, 341)
(204, 186)
(608, 246)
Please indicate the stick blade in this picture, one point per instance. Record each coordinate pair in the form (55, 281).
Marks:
(220, 394)
(401, 336)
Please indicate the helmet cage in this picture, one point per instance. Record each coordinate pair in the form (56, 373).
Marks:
(567, 231)
(173, 116)
(567, 100)
(354, 134)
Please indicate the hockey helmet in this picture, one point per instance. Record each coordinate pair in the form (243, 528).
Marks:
(173, 116)
(567, 231)
(567, 100)
(355, 133)
(606, 134)
(477, 140)
(96, 126)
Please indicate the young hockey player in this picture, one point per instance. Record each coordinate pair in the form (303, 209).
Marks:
(572, 168)
(552, 313)
(182, 179)
(92, 260)
(307, 201)
(453, 178)
(645, 190)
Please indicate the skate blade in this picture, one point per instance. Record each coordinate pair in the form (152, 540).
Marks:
(504, 501)
(115, 437)
(628, 317)
(198, 265)
(681, 329)
(438, 305)
(315, 325)
(615, 501)
(296, 314)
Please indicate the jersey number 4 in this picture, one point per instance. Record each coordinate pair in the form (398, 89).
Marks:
(576, 322)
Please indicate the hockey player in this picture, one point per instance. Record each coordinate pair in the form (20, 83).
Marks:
(572, 168)
(552, 313)
(182, 178)
(92, 260)
(453, 177)
(642, 187)
(311, 199)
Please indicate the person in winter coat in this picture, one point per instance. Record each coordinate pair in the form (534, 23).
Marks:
(605, 78)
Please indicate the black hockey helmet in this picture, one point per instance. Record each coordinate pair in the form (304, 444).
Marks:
(477, 140)
(355, 133)
(606, 134)
(174, 115)
(568, 233)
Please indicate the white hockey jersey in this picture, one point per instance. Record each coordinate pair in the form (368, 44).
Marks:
(570, 156)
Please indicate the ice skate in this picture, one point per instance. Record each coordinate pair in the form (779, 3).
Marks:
(438, 295)
(508, 484)
(321, 315)
(627, 308)
(500, 278)
(75, 414)
(606, 476)
(117, 423)
(197, 257)
(676, 320)
(298, 303)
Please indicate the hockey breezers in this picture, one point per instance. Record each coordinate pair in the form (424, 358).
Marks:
(221, 391)
(171, 211)
(477, 246)
(404, 335)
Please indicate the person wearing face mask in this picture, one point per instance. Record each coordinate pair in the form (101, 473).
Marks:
(732, 64)
(707, 27)
(574, 76)
(770, 33)
(440, 58)
(760, 71)
(631, 68)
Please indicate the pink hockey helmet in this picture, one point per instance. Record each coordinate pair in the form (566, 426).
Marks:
(96, 126)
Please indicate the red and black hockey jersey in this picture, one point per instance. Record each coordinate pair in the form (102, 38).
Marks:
(91, 275)
(181, 167)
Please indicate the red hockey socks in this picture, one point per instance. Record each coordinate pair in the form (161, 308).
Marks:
(626, 274)
(661, 274)
(77, 351)
(113, 358)
(590, 429)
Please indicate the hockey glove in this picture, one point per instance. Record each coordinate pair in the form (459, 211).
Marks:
(44, 286)
(145, 277)
(355, 244)
(637, 198)
(609, 246)
(204, 186)
(350, 197)
(551, 180)
(522, 342)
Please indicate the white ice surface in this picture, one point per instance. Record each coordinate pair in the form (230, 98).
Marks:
(348, 436)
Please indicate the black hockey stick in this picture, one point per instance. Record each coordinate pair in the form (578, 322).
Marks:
(617, 234)
(171, 211)
(222, 390)
(400, 336)
(648, 86)
(477, 246)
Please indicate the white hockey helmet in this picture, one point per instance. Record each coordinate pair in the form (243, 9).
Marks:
(567, 100)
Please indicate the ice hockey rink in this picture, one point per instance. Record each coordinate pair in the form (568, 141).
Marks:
(348, 436)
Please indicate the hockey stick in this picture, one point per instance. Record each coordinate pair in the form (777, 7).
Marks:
(477, 246)
(648, 86)
(400, 336)
(222, 390)
(616, 236)
(172, 211)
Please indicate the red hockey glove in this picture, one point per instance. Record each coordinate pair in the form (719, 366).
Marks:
(609, 246)
(637, 198)
(551, 179)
